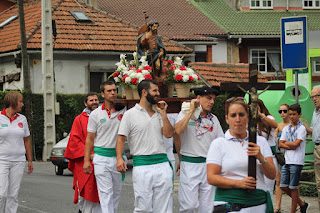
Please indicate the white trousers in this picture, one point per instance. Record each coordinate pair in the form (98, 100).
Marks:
(109, 182)
(194, 190)
(270, 183)
(173, 163)
(11, 173)
(87, 206)
(152, 185)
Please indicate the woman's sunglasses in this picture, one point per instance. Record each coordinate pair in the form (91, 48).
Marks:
(282, 111)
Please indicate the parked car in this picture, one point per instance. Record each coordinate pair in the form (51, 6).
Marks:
(60, 163)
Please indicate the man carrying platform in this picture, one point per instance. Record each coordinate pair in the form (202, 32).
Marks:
(144, 128)
(196, 128)
(102, 135)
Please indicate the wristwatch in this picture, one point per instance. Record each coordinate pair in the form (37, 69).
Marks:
(264, 161)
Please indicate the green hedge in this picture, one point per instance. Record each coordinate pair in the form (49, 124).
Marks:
(72, 105)
(36, 125)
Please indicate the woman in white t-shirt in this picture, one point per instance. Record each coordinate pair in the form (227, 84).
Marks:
(14, 146)
(266, 128)
(284, 113)
(227, 165)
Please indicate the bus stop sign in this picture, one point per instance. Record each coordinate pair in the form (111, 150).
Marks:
(294, 44)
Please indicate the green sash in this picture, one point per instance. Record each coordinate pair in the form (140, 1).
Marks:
(193, 159)
(145, 160)
(243, 196)
(107, 152)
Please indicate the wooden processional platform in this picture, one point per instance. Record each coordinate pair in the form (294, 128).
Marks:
(174, 104)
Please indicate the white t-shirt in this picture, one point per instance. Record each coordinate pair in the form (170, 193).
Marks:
(169, 141)
(11, 137)
(105, 127)
(232, 156)
(144, 133)
(295, 156)
(193, 146)
(271, 140)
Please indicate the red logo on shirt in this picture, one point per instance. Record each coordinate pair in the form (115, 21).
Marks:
(120, 117)
(20, 124)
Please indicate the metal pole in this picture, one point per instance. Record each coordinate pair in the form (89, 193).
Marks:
(296, 86)
(47, 79)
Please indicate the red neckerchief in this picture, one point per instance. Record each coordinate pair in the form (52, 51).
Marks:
(3, 112)
(108, 111)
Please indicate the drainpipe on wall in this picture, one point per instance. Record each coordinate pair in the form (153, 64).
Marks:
(231, 52)
(237, 44)
(238, 3)
(287, 5)
(239, 41)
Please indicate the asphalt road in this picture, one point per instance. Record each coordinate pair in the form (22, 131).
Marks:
(44, 192)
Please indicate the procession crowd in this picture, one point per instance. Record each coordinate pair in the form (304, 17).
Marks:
(212, 167)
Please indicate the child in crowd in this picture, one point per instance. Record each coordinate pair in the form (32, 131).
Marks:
(293, 139)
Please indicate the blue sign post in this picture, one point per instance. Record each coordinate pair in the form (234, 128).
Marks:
(294, 45)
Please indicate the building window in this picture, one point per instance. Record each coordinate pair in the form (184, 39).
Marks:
(311, 4)
(259, 57)
(201, 57)
(315, 61)
(261, 4)
(80, 16)
(267, 60)
(7, 21)
(96, 78)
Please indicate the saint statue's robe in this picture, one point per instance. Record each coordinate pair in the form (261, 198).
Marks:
(155, 50)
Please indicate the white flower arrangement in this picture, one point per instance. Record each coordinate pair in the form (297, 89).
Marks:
(181, 74)
(128, 74)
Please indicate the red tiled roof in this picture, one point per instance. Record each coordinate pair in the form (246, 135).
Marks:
(16, 1)
(215, 73)
(178, 19)
(104, 33)
(5, 4)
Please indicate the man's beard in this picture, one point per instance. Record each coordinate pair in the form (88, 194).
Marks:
(92, 107)
(154, 31)
(151, 99)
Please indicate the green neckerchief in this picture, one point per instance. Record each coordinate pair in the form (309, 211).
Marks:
(193, 159)
(244, 196)
(108, 152)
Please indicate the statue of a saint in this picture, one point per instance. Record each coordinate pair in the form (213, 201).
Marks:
(151, 42)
